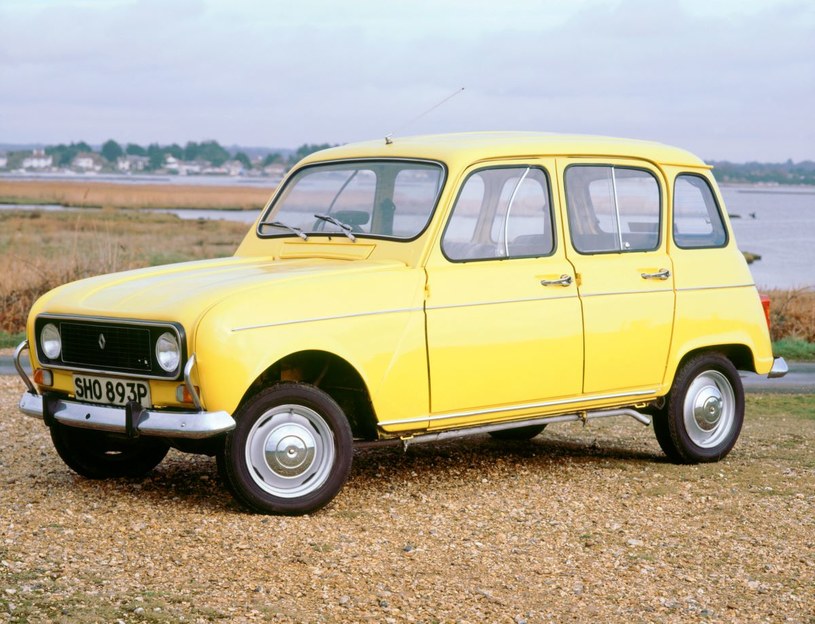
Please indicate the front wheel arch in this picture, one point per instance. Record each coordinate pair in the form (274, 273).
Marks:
(333, 375)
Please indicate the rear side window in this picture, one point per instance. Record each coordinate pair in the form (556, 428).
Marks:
(697, 220)
(612, 209)
(503, 212)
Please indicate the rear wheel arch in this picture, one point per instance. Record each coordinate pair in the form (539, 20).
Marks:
(740, 355)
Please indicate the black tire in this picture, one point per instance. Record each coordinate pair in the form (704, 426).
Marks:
(704, 413)
(100, 455)
(313, 450)
(660, 420)
(518, 433)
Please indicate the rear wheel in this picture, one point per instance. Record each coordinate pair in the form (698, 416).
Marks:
(100, 455)
(703, 416)
(290, 452)
(518, 433)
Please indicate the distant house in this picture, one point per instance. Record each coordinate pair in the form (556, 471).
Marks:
(190, 168)
(86, 161)
(3, 161)
(38, 160)
(275, 170)
(215, 170)
(171, 163)
(132, 163)
(183, 167)
(233, 167)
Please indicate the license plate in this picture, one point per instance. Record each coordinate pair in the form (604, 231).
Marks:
(111, 391)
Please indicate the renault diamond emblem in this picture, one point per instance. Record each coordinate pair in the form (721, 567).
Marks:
(102, 341)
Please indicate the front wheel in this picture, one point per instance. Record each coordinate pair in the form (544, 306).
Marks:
(702, 418)
(290, 452)
(100, 455)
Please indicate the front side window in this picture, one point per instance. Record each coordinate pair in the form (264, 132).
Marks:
(697, 220)
(390, 199)
(503, 212)
(612, 209)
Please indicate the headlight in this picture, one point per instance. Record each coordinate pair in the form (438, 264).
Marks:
(50, 341)
(168, 353)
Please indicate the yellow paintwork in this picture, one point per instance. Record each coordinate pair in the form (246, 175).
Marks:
(441, 344)
(631, 317)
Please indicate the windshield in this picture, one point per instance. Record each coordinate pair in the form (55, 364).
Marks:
(391, 199)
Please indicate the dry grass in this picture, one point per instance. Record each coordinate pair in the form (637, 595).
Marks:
(110, 195)
(793, 314)
(39, 253)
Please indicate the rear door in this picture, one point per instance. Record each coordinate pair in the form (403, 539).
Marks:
(617, 242)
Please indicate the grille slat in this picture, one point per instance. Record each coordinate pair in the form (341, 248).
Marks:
(124, 347)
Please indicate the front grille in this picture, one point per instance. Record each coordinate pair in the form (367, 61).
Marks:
(114, 347)
(123, 347)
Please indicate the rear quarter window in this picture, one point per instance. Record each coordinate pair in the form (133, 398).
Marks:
(697, 218)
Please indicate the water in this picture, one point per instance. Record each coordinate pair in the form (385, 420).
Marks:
(778, 223)
(244, 216)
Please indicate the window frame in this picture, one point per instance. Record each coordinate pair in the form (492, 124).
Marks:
(660, 195)
(552, 210)
(279, 192)
(716, 203)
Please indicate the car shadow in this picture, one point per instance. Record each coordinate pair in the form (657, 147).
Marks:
(478, 454)
(192, 482)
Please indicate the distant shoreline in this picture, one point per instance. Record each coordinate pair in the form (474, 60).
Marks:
(810, 190)
(90, 193)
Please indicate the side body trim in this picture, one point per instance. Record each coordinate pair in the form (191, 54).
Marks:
(512, 408)
(325, 318)
(691, 288)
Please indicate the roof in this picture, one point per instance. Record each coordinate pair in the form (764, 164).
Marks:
(474, 146)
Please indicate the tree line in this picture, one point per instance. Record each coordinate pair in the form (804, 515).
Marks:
(208, 151)
(788, 172)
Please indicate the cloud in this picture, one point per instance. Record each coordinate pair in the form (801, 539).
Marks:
(729, 80)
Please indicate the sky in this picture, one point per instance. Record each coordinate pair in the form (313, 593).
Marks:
(728, 80)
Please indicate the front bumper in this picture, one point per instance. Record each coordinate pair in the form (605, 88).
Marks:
(191, 424)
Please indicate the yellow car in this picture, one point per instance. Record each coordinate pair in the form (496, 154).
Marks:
(414, 289)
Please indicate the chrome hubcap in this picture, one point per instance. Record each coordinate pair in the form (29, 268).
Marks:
(709, 409)
(290, 451)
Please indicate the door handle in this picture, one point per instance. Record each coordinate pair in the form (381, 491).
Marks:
(662, 274)
(565, 280)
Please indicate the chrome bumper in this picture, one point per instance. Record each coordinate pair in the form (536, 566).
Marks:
(779, 368)
(189, 424)
(103, 418)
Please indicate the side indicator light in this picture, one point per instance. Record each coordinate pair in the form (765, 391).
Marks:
(183, 395)
(43, 377)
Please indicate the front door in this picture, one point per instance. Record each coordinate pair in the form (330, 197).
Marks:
(617, 235)
(504, 326)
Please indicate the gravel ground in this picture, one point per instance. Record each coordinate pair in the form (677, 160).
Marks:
(581, 524)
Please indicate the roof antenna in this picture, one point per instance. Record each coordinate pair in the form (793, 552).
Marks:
(389, 137)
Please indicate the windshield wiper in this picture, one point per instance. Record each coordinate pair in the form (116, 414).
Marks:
(344, 227)
(290, 228)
